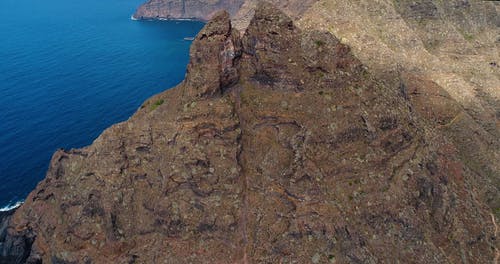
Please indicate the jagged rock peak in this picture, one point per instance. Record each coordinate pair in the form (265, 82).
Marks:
(220, 24)
(275, 54)
(281, 56)
(213, 57)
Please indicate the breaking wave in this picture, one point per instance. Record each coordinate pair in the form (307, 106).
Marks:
(11, 206)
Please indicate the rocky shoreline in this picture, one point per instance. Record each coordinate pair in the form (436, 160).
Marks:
(14, 247)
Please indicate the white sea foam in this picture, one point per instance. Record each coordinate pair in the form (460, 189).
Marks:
(11, 206)
(164, 19)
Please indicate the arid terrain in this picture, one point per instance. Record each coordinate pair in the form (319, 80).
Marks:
(318, 131)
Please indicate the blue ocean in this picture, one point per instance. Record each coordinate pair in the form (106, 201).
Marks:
(68, 70)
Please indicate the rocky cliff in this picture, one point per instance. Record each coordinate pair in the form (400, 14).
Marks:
(240, 10)
(279, 146)
(14, 247)
(185, 9)
(449, 45)
(450, 50)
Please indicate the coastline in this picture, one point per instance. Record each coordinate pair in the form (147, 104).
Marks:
(4, 217)
(134, 18)
(11, 206)
(15, 248)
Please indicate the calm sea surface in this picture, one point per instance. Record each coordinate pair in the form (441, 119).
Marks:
(68, 70)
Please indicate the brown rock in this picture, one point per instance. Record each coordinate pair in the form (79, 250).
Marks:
(292, 151)
(213, 57)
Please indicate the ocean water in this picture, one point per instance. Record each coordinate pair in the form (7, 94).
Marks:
(68, 70)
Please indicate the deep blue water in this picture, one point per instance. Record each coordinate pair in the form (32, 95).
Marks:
(71, 68)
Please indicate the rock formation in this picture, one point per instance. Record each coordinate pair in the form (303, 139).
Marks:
(279, 146)
(451, 46)
(14, 246)
(445, 53)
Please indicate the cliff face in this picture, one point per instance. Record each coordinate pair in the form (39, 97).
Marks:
(448, 52)
(240, 10)
(185, 9)
(444, 53)
(451, 46)
(279, 146)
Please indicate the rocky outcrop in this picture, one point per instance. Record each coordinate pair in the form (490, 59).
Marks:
(15, 247)
(213, 58)
(280, 145)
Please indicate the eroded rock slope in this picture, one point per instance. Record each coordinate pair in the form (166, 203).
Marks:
(279, 146)
(448, 51)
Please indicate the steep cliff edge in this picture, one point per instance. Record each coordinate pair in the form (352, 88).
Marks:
(451, 46)
(447, 51)
(240, 10)
(14, 247)
(278, 146)
(185, 9)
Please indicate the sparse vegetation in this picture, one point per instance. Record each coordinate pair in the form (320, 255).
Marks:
(468, 37)
(319, 43)
(157, 103)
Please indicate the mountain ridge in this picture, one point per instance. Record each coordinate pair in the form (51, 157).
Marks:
(279, 145)
(452, 44)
